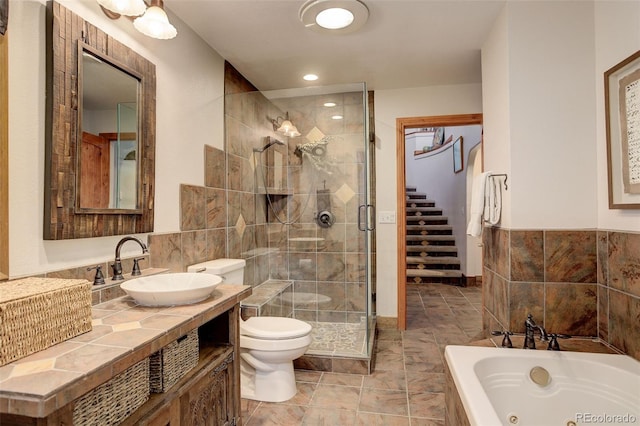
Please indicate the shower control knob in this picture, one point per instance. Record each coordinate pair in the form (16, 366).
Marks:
(325, 219)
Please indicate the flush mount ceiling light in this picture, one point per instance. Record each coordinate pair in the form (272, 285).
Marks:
(334, 16)
(310, 77)
(153, 22)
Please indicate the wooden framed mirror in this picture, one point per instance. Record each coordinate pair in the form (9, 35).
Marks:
(70, 41)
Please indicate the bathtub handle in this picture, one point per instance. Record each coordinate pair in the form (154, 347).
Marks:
(506, 340)
(553, 342)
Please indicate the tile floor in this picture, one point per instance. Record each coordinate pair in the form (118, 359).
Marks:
(407, 386)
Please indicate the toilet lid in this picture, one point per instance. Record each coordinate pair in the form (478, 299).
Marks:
(274, 328)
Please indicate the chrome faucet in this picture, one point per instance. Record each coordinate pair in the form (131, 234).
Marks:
(117, 265)
(530, 331)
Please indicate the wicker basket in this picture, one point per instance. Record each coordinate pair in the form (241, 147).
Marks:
(172, 362)
(36, 313)
(115, 400)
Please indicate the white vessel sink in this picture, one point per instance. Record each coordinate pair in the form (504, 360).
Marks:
(182, 288)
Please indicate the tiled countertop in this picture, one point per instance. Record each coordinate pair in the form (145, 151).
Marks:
(123, 334)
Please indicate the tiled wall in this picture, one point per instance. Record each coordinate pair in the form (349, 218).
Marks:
(229, 215)
(225, 217)
(203, 221)
(578, 282)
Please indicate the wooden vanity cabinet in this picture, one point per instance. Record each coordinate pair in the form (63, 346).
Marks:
(209, 395)
(205, 398)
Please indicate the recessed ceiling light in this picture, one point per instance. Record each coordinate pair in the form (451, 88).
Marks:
(310, 77)
(334, 16)
(337, 117)
(329, 104)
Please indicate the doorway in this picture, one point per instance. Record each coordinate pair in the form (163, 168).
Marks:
(402, 125)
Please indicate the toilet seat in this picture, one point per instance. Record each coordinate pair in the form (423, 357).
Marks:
(274, 328)
(280, 346)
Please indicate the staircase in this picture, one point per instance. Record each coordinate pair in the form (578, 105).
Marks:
(432, 256)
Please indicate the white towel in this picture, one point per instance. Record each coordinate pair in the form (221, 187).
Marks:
(477, 210)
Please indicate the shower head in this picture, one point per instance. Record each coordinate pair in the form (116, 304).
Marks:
(270, 142)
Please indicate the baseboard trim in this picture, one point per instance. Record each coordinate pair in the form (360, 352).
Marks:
(386, 322)
(473, 281)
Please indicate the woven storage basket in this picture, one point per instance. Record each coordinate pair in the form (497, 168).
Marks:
(172, 362)
(36, 313)
(113, 401)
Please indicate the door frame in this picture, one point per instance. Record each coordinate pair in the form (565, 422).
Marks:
(402, 124)
(4, 156)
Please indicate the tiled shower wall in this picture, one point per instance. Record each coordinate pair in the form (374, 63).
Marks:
(326, 264)
(229, 216)
(203, 224)
(577, 282)
(225, 217)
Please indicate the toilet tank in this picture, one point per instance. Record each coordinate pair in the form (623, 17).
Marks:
(231, 270)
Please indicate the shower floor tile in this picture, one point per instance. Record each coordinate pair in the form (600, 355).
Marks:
(343, 339)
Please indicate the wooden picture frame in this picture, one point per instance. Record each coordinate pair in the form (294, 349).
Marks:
(458, 160)
(622, 119)
(4, 16)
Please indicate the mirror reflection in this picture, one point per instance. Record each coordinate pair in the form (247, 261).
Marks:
(108, 152)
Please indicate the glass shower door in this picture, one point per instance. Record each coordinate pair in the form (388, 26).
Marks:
(370, 226)
(313, 219)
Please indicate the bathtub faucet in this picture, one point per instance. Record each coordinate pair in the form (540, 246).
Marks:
(530, 331)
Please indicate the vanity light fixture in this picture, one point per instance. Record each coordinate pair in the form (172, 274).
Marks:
(285, 126)
(154, 23)
(124, 7)
(337, 117)
(151, 21)
(329, 104)
(334, 16)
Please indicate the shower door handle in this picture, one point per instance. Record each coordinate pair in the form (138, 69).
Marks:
(371, 217)
(360, 208)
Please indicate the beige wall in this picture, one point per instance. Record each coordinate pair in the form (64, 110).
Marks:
(576, 122)
(189, 114)
(617, 27)
(557, 256)
(389, 105)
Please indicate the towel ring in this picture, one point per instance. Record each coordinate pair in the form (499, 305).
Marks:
(504, 175)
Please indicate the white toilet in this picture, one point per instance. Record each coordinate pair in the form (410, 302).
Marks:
(268, 345)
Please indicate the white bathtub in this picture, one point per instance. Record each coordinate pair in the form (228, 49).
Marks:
(585, 388)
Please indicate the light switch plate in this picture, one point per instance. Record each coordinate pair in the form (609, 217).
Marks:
(387, 217)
